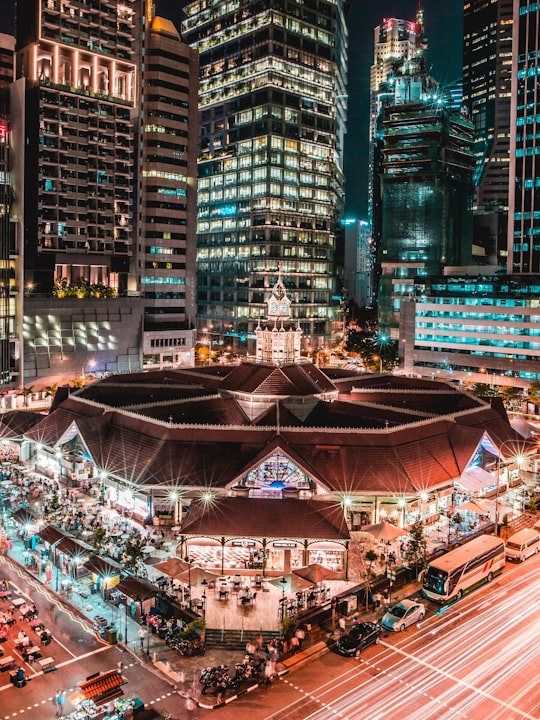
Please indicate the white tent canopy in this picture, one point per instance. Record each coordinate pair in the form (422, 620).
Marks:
(476, 480)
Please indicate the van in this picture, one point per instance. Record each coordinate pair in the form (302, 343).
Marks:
(523, 544)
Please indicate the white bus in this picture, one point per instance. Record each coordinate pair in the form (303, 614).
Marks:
(461, 570)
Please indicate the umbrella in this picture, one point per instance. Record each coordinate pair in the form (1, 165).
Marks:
(384, 531)
(316, 573)
(148, 549)
(294, 583)
(195, 576)
(172, 566)
(473, 506)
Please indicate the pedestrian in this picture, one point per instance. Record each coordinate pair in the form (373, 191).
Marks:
(386, 599)
(191, 706)
(300, 634)
(377, 600)
(59, 702)
(142, 636)
(342, 625)
(295, 644)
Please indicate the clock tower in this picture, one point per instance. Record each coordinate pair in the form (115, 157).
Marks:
(279, 342)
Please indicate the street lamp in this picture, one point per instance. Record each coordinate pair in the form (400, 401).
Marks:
(204, 584)
(282, 582)
(519, 459)
(379, 358)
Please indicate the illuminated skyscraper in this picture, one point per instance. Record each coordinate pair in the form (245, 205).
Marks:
(8, 247)
(168, 192)
(272, 123)
(524, 205)
(487, 66)
(395, 43)
(426, 187)
(103, 127)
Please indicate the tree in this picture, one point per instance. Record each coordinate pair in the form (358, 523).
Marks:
(50, 390)
(77, 383)
(371, 556)
(26, 392)
(417, 546)
(133, 553)
(98, 538)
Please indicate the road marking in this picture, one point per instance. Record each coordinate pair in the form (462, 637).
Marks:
(458, 681)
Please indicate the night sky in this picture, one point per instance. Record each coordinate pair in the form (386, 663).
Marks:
(443, 27)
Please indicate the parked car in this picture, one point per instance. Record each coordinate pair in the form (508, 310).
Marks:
(403, 614)
(360, 636)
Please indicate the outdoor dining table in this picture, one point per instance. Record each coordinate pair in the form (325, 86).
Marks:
(17, 602)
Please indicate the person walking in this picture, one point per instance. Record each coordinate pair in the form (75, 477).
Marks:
(142, 636)
(59, 700)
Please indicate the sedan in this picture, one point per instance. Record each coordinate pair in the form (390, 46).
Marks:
(360, 636)
(403, 614)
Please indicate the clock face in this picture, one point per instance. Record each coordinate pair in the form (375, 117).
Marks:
(284, 308)
(273, 308)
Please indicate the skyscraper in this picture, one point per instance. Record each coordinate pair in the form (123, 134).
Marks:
(272, 124)
(167, 207)
(8, 249)
(426, 185)
(524, 204)
(487, 66)
(395, 42)
(103, 177)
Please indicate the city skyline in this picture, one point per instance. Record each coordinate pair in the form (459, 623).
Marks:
(443, 24)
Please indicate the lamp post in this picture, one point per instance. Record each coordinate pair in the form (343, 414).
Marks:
(283, 582)
(519, 459)
(379, 358)
(204, 584)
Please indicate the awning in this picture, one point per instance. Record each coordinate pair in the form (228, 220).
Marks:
(23, 516)
(136, 588)
(51, 534)
(73, 546)
(101, 684)
(475, 480)
(102, 566)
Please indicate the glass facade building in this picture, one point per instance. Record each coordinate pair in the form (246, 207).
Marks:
(524, 206)
(272, 104)
(426, 188)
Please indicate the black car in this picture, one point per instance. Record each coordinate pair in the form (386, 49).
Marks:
(359, 637)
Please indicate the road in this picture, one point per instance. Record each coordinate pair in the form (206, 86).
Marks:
(478, 659)
(77, 653)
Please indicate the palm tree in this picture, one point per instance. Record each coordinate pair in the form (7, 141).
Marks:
(26, 392)
(50, 390)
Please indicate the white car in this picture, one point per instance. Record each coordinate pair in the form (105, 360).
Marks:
(403, 614)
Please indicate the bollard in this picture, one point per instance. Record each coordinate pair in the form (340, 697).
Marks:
(168, 666)
(154, 656)
(182, 676)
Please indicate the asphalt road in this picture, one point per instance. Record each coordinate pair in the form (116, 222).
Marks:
(478, 659)
(77, 651)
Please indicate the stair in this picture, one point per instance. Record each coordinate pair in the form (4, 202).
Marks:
(235, 639)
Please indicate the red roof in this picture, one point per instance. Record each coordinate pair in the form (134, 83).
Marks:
(385, 435)
(270, 518)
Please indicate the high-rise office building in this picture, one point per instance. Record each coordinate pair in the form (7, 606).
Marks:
(524, 203)
(103, 175)
(8, 249)
(395, 43)
(167, 199)
(272, 102)
(487, 69)
(426, 185)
